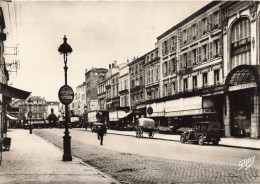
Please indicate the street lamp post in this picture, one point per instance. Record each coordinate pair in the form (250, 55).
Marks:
(30, 114)
(66, 49)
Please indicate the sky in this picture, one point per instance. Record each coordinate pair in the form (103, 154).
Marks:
(99, 32)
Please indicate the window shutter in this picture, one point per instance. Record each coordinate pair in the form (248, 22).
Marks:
(169, 67)
(168, 45)
(163, 69)
(214, 48)
(189, 58)
(197, 29)
(207, 51)
(169, 88)
(220, 47)
(210, 50)
(163, 49)
(181, 64)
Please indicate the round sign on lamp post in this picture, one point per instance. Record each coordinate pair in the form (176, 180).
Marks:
(149, 110)
(30, 114)
(66, 95)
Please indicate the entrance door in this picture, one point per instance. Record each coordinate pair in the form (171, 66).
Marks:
(240, 113)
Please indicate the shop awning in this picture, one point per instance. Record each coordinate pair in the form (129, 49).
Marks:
(116, 115)
(189, 112)
(127, 114)
(13, 92)
(11, 117)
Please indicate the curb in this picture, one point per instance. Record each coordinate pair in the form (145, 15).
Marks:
(113, 181)
(165, 139)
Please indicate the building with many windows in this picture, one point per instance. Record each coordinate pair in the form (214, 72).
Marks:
(152, 84)
(137, 87)
(241, 40)
(92, 78)
(124, 85)
(205, 68)
(102, 94)
(124, 93)
(39, 109)
(209, 66)
(79, 103)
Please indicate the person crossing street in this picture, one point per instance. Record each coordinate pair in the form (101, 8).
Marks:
(101, 132)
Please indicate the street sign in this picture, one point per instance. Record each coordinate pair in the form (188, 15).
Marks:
(30, 114)
(149, 110)
(66, 95)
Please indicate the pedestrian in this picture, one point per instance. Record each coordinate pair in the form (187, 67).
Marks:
(101, 132)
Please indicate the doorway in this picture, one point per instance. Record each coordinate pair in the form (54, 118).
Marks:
(240, 104)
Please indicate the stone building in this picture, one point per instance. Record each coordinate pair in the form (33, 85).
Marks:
(137, 88)
(92, 78)
(209, 69)
(241, 40)
(38, 107)
(152, 83)
(79, 103)
(191, 62)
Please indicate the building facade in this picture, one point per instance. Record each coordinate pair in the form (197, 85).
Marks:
(7, 93)
(39, 110)
(137, 87)
(124, 85)
(205, 68)
(53, 107)
(241, 23)
(102, 94)
(209, 69)
(79, 103)
(152, 85)
(92, 79)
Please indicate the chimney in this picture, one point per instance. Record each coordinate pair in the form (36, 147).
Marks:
(115, 63)
(109, 66)
(127, 60)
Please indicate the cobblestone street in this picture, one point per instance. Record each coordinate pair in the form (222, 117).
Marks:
(133, 168)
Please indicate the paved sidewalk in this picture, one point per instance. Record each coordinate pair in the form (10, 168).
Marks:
(225, 141)
(31, 159)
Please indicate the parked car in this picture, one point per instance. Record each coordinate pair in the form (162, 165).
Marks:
(74, 122)
(95, 126)
(202, 132)
(183, 129)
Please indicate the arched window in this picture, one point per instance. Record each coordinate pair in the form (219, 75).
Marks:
(240, 43)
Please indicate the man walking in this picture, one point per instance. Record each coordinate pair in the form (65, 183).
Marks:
(101, 132)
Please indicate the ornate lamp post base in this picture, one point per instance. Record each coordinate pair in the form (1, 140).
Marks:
(66, 147)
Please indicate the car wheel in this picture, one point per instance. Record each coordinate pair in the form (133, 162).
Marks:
(182, 139)
(200, 140)
(215, 143)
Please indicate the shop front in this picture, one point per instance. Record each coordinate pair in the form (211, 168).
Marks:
(156, 112)
(241, 111)
(138, 112)
(184, 112)
(7, 93)
(115, 119)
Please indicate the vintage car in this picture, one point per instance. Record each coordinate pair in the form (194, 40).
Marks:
(202, 132)
(95, 126)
